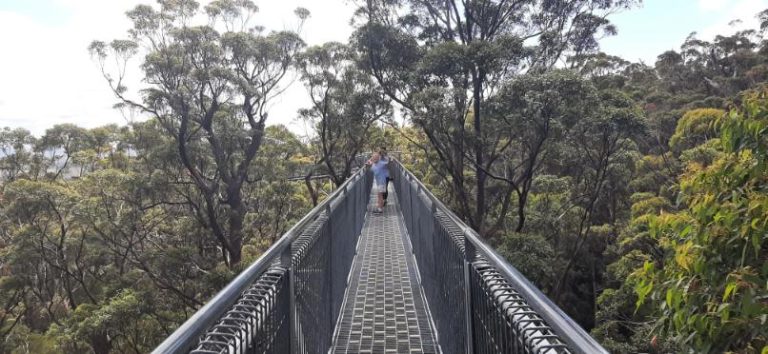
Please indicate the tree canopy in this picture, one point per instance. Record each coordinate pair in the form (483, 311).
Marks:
(632, 194)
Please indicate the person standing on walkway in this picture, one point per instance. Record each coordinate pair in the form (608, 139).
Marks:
(384, 155)
(380, 174)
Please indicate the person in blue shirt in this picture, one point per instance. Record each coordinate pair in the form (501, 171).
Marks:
(380, 171)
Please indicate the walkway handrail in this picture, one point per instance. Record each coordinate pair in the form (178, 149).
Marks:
(576, 338)
(188, 335)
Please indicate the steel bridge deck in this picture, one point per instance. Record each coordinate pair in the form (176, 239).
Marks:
(384, 309)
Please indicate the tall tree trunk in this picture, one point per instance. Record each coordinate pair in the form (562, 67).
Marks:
(101, 344)
(481, 176)
(594, 294)
(522, 199)
(236, 219)
(312, 191)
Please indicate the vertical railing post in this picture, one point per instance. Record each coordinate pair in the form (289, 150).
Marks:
(408, 190)
(469, 258)
(353, 195)
(286, 261)
(434, 221)
(419, 230)
(331, 300)
(411, 212)
(346, 227)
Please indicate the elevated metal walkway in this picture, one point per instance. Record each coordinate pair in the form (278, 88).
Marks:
(414, 279)
(384, 310)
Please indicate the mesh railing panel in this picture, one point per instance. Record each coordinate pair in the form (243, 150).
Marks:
(504, 321)
(256, 323)
(441, 264)
(480, 306)
(293, 302)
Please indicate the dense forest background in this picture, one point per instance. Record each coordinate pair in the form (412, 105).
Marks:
(634, 195)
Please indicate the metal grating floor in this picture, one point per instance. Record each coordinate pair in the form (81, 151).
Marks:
(384, 311)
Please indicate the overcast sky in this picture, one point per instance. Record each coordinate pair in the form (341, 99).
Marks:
(47, 76)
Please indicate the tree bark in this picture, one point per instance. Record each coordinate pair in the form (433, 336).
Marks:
(312, 191)
(476, 97)
(100, 343)
(236, 218)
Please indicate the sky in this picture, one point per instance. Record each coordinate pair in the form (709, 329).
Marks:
(47, 76)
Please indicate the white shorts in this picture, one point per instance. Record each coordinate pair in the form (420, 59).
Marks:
(379, 188)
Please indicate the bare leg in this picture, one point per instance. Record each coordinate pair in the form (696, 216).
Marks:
(380, 201)
(386, 191)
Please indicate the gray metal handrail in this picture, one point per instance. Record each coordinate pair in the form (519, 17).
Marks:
(510, 284)
(188, 335)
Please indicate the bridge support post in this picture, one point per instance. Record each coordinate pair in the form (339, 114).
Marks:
(469, 258)
(293, 321)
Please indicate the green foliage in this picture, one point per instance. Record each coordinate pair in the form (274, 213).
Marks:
(623, 190)
(210, 84)
(90, 248)
(345, 106)
(456, 74)
(531, 254)
(710, 293)
(15, 154)
(117, 318)
(695, 127)
(648, 205)
(25, 341)
(655, 173)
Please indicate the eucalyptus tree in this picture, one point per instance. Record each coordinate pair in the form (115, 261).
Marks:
(533, 116)
(345, 105)
(209, 87)
(442, 60)
(569, 153)
(16, 154)
(600, 160)
(58, 147)
(275, 201)
(52, 256)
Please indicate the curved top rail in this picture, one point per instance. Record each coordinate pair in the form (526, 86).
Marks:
(181, 340)
(569, 331)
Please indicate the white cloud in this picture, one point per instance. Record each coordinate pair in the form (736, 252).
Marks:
(47, 76)
(712, 5)
(742, 11)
